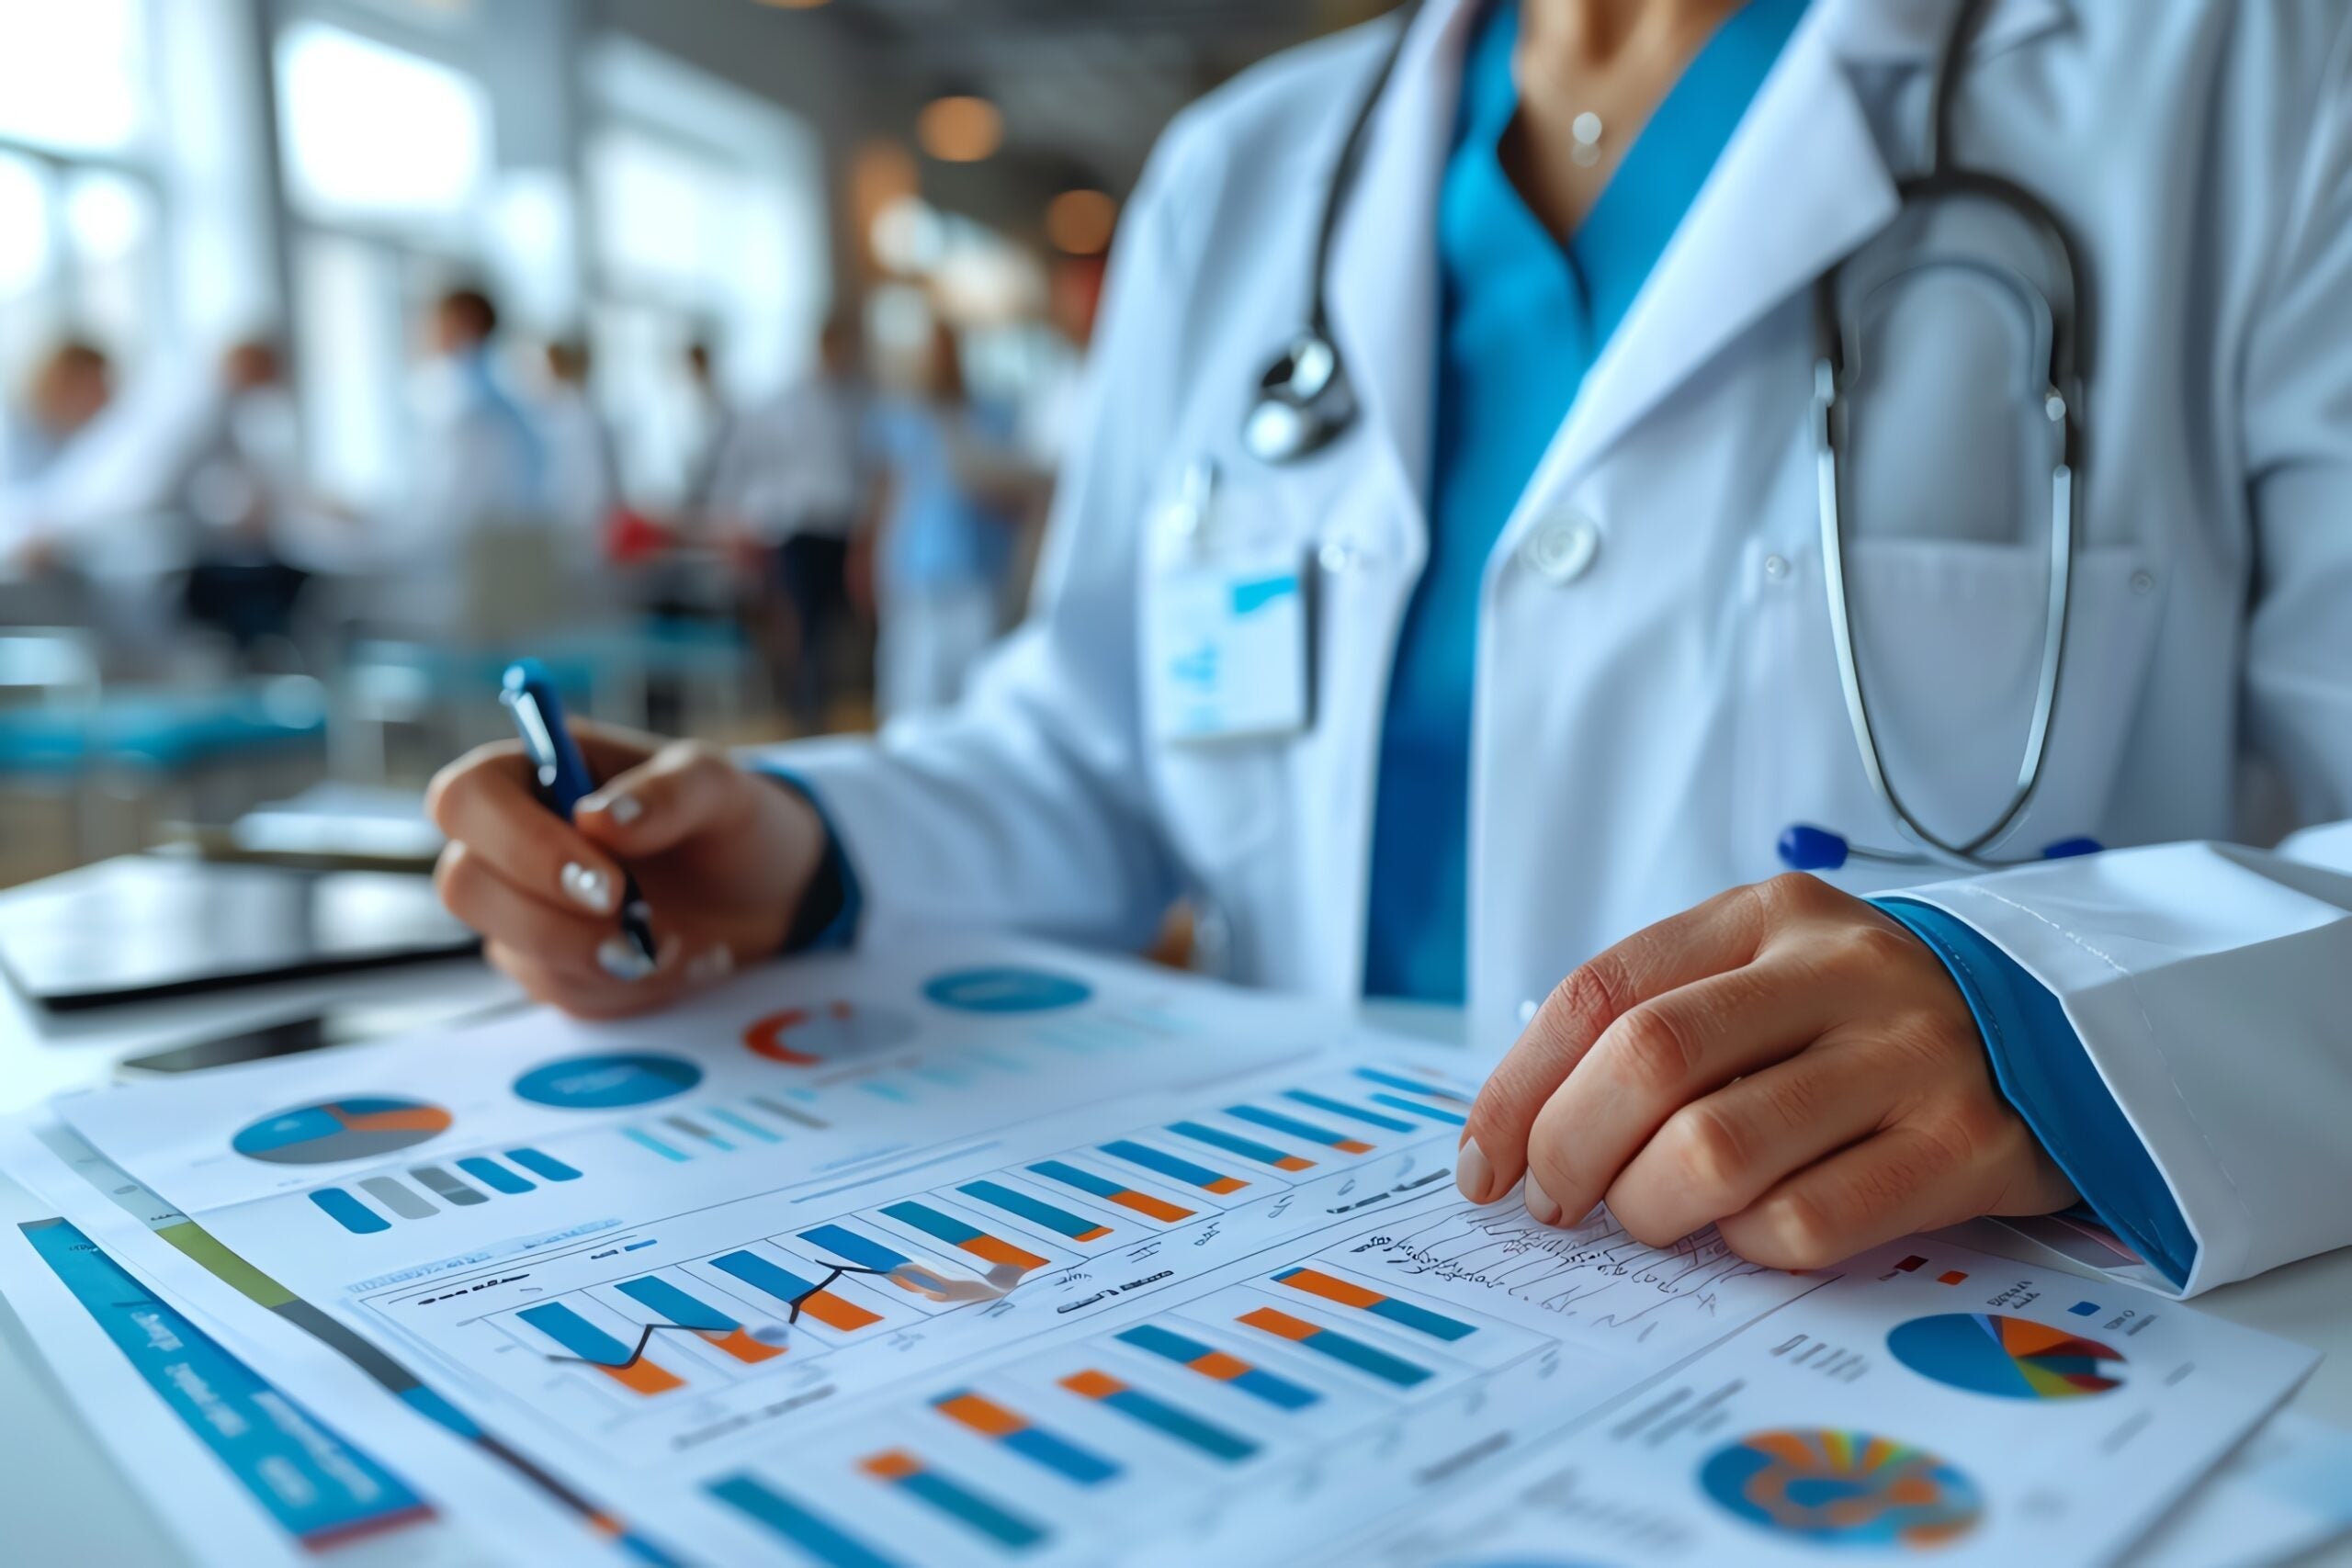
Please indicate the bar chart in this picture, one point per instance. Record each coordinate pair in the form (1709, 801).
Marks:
(1040, 1445)
(405, 1201)
(952, 1498)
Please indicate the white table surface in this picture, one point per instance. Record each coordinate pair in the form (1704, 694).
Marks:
(63, 1501)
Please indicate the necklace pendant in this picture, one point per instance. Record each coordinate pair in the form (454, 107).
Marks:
(1585, 132)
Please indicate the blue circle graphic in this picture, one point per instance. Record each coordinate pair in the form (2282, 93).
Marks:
(1827, 1486)
(1004, 988)
(602, 1082)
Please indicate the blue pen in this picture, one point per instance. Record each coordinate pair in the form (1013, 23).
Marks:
(564, 782)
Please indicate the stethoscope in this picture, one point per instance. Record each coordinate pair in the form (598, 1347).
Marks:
(1304, 402)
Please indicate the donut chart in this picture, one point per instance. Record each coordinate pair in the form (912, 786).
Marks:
(1006, 988)
(2009, 1358)
(357, 1127)
(811, 1036)
(604, 1081)
(1826, 1486)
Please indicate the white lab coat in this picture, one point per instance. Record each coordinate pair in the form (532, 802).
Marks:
(1656, 695)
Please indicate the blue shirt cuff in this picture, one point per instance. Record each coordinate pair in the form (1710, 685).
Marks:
(827, 921)
(2041, 1066)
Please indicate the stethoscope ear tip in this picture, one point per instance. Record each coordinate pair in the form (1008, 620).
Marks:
(1806, 847)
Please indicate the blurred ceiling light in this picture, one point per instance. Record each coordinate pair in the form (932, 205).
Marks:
(959, 128)
(1080, 222)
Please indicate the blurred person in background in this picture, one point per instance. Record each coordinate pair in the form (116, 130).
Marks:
(711, 422)
(584, 483)
(948, 514)
(235, 478)
(791, 488)
(70, 387)
(480, 461)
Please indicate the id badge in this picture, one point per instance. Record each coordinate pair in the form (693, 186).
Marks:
(1226, 649)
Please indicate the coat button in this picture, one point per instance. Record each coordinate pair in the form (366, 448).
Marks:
(1561, 550)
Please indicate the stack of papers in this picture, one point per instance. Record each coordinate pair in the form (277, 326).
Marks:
(993, 1252)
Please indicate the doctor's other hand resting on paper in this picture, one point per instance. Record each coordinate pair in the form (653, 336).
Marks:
(1537, 451)
(1784, 1062)
(722, 857)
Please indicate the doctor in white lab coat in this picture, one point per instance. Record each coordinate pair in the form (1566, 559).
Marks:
(1656, 694)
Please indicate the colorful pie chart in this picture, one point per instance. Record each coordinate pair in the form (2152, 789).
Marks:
(2011, 1358)
(603, 1082)
(1829, 1487)
(1006, 988)
(362, 1127)
(811, 1036)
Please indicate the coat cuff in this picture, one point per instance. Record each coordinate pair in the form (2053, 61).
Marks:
(2041, 1066)
(826, 919)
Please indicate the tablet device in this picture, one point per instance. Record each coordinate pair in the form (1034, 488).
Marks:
(144, 926)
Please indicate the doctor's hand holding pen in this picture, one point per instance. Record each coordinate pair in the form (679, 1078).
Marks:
(1784, 1062)
(721, 856)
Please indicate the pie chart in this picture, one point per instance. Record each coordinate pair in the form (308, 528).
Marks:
(810, 1036)
(2011, 1358)
(602, 1082)
(1006, 988)
(361, 1127)
(1825, 1486)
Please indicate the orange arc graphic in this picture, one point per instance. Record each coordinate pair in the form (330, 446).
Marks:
(766, 1037)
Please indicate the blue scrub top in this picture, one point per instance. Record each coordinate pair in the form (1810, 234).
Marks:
(1521, 320)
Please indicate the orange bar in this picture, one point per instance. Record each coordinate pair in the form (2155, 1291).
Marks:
(1292, 1161)
(738, 1342)
(1331, 1290)
(1097, 1234)
(985, 1417)
(995, 1249)
(1218, 1365)
(645, 1377)
(1350, 1146)
(834, 1313)
(1145, 1203)
(423, 1119)
(891, 1464)
(1092, 1384)
(1227, 1184)
(1279, 1324)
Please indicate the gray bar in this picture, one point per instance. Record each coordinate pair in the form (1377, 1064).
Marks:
(1691, 1414)
(452, 1191)
(398, 1199)
(778, 1107)
(691, 1129)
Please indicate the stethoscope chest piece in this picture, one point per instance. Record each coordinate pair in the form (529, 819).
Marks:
(1303, 402)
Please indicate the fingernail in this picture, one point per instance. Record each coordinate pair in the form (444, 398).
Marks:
(713, 965)
(1473, 1173)
(585, 886)
(1539, 1204)
(623, 808)
(619, 958)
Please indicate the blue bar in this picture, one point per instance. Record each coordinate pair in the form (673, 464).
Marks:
(761, 1274)
(1061, 1456)
(1410, 1086)
(349, 1213)
(1352, 1112)
(798, 1526)
(685, 1311)
(545, 1167)
(1186, 1351)
(1007, 1530)
(656, 1145)
(576, 1333)
(1214, 1441)
(1234, 1143)
(1075, 1226)
(1431, 1111)
(492, 1174)
(1084, 1180)
(852, 1247)
(743, 1124)
(1181, 1170)
(1274, 1122)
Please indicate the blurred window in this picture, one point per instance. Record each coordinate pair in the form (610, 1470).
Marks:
(74, 73)
(376, 132)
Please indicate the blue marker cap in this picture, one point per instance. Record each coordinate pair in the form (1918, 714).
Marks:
(1806, 847)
